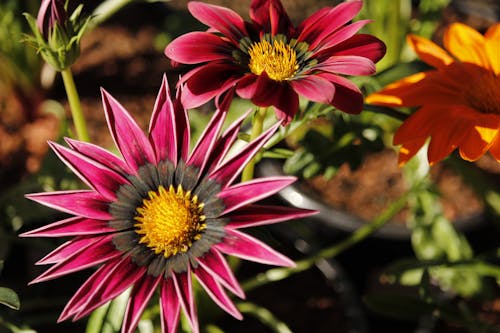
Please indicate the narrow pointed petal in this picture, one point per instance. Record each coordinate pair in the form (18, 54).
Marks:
(222, 19)
(128, 136)
(225, 142)
(229, 170)
(139, 298)
(216, 292)
(162, 127)
(315, 88)
(258, 215)
(123, 275)
(197, 47)
(96, 253)
(249, 192)
(203, 149)
(170, 307)
(74, 226)
(80, 202)
(94, 174)
(216, 264)
(87, 289)
(67, 249)
(100, 155)
(184, 289)
(182, 130)
(246, 247)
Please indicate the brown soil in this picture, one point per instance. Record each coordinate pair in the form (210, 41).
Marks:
(367, 191)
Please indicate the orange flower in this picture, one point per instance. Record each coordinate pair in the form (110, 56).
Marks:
(459, 100)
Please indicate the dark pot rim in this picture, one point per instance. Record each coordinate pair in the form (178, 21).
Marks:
(336, 219)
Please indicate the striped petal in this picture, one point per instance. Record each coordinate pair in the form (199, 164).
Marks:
(215, 263)
(169, 307)
(84, 203)
(216, 292)
(184, 290)
(258, 215)
(96, 175)
(139, 298)
(249, 192)
(100, 251)
(246, 247)
(67, 249)
(128, 136)
(348, 65)
(74, 226)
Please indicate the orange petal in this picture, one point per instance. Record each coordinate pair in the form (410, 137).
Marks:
(409, 149)
(419, 124)
(446, 137)
(429, 52)
(495, 149)
(466, 44)
(492, 45)
(481, 137)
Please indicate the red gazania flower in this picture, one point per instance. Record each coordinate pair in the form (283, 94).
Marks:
(160, 215)
(272, 62)
(459, 101)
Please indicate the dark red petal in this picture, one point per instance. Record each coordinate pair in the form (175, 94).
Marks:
(348, 97)
(361, 45)
(287, 104)
(271, 16)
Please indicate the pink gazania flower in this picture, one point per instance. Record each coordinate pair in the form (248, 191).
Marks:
(272, 62)
(160, 215)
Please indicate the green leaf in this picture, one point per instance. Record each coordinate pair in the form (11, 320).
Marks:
(9, 298)
(108, 318)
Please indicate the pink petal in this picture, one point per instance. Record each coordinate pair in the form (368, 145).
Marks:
(258, 215)
(249, 192)
(243, 246)
(129, 138)
(314, 88)
(347, 65)
(169, 307)
(94, 254)
(75, 226)
(318, 30)
(216, 292)
(225, 142)
(184, 289)
(203, 149)
(222, 19)
(362, 45)
(214, 262)
(139, 298)
(124, 274)
(229, 170)
(208, 81)
(348, 97)
(197, 47)
(182, 129)
(67, 249)
(340, 36)
(96, 175)
(79, 202)
(100, 155)
(162, 128)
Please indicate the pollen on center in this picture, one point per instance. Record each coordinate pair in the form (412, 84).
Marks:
(170, 221)
(278, 60)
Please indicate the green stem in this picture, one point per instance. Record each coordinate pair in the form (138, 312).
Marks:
(396, 114)
(75, 106)
(257, 128)
(277, 274)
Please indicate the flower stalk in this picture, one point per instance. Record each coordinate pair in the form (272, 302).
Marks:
(75, 105)
(277, 274)
(257, 128)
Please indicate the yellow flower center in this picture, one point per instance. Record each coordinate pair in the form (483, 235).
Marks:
(279, 60)
(483, 93)
(170, 220)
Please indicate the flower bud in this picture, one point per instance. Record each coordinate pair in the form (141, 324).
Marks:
(50, 13)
